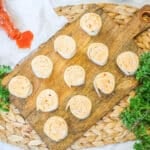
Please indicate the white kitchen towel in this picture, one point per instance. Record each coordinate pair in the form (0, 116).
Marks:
(35, 15)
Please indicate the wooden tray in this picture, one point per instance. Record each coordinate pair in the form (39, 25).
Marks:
(118, 40)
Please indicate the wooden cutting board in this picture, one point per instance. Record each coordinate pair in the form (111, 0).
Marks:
(118, 39)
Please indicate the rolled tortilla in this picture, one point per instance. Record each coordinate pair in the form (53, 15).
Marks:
(42, 66)
(47, 100)
(104, 82)
(91, 23)
(98, 53)
(56, 128)
(65, 46)
(128, 62)
(20, 86)
(80, 106)
(74, 75)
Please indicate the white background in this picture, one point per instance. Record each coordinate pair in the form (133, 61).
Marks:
(49, 28)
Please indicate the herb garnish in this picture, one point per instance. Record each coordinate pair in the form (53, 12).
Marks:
(4, 93)
(136, 117)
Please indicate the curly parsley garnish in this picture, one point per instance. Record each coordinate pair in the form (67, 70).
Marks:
(136, 117)
(4, 93)
(4, 70)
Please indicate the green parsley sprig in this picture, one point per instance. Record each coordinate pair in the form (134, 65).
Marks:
(4, 93)
(4, 70)
(136, 117)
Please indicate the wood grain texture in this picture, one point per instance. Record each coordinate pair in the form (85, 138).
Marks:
(117, 39)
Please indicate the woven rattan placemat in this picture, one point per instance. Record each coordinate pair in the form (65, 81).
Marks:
(15, 130)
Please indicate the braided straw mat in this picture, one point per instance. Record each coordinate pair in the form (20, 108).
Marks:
(15, 130)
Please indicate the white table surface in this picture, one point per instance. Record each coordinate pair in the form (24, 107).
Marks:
(56, 3)
(123, 146)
